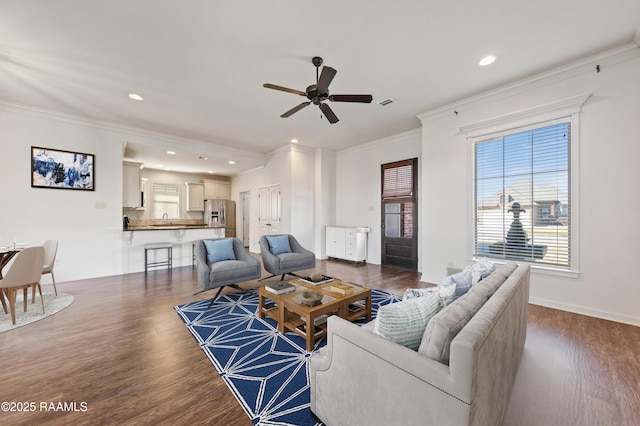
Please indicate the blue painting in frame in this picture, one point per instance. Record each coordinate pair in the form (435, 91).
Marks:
(54, 168)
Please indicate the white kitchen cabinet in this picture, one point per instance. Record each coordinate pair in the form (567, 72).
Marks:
(131, 192)
(195, 197)
(216, 190)
(349, 243)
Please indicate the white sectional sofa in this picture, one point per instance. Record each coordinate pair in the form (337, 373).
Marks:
(462, 374)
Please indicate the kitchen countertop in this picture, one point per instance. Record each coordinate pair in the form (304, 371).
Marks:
(171, 227)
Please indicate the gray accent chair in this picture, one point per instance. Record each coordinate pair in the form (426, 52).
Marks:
(226, 272)
(286, 263)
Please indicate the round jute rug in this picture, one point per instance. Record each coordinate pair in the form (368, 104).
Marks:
(52, 305)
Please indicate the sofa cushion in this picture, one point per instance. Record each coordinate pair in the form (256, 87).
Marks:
(218, 250)
(404, 322)
(447, 323)
(278, 244)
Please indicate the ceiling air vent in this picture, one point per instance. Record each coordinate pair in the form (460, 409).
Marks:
(385, 102)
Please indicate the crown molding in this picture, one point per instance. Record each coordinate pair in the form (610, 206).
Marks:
(626, 52)
(129, 133)
(562, 107)
(381, 142)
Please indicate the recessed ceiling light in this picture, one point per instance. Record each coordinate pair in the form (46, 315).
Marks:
(232, 162)
(135, 97)
(487, 60)
(171, 152)
(294, 140)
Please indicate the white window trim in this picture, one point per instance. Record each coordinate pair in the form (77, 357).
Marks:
(563, 109)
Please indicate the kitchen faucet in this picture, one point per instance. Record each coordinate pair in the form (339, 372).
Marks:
(165, 216)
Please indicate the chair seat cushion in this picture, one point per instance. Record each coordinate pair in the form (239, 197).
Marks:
(232, 269)
(295, 261)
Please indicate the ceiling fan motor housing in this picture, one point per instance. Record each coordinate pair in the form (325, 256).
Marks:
(315, 96)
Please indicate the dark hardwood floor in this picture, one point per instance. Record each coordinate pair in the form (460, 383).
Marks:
(121, 349)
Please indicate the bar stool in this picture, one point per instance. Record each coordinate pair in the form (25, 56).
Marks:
(155, 247)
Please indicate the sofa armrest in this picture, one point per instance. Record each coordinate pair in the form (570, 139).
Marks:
(418, 365)
(390, 377)
(203, 270)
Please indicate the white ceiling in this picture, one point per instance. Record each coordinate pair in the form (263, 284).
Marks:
(200, 64)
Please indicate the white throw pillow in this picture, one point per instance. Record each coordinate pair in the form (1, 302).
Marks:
(404, 322)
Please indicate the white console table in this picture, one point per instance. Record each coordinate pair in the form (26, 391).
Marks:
(347, 242)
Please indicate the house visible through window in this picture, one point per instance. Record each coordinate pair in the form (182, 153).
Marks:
(166, 201)
(522, 195)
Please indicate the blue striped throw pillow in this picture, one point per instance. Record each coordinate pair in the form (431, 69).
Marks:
(404, 322)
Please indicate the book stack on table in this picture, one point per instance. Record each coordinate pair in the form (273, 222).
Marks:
(341, 288)
(280, 287)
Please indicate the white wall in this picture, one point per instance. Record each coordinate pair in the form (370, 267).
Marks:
(296, 169)
(358, 184)
(90, 238)
(325, 197)
(302, 195)
(609, 152)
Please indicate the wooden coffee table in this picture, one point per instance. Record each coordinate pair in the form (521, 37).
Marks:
(291, 314)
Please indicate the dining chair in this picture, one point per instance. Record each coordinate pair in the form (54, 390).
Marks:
(25, 272)
(50, 251)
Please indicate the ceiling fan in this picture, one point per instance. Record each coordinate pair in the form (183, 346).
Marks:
(319, 92)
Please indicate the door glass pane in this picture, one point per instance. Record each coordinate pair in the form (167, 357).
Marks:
(398, 219)
(392, 220)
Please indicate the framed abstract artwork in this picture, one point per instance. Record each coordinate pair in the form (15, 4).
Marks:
(53, 168)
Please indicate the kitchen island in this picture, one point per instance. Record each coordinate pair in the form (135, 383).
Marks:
(180, 236)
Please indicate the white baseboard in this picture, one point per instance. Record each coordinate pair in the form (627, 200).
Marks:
(582, 310)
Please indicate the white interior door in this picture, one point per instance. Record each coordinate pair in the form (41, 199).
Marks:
(270, 209)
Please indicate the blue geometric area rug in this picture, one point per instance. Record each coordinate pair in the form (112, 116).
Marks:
(267, 372)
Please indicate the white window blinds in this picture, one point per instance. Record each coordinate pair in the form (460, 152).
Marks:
(166, 201)
(397, 180)
(522, 197)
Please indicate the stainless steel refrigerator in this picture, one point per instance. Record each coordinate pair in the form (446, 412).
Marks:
(221, 213)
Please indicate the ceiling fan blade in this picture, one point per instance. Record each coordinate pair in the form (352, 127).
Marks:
(351, 98)
(284, 89)
(328, 112)
(325, 79)
(294, 110)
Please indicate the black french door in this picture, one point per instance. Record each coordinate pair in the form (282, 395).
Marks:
(399, 220)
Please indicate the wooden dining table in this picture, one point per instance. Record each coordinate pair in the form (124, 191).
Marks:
(6, 254)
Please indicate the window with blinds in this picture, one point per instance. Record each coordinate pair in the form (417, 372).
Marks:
(166, 201)
(397, 180)
(522, 195)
